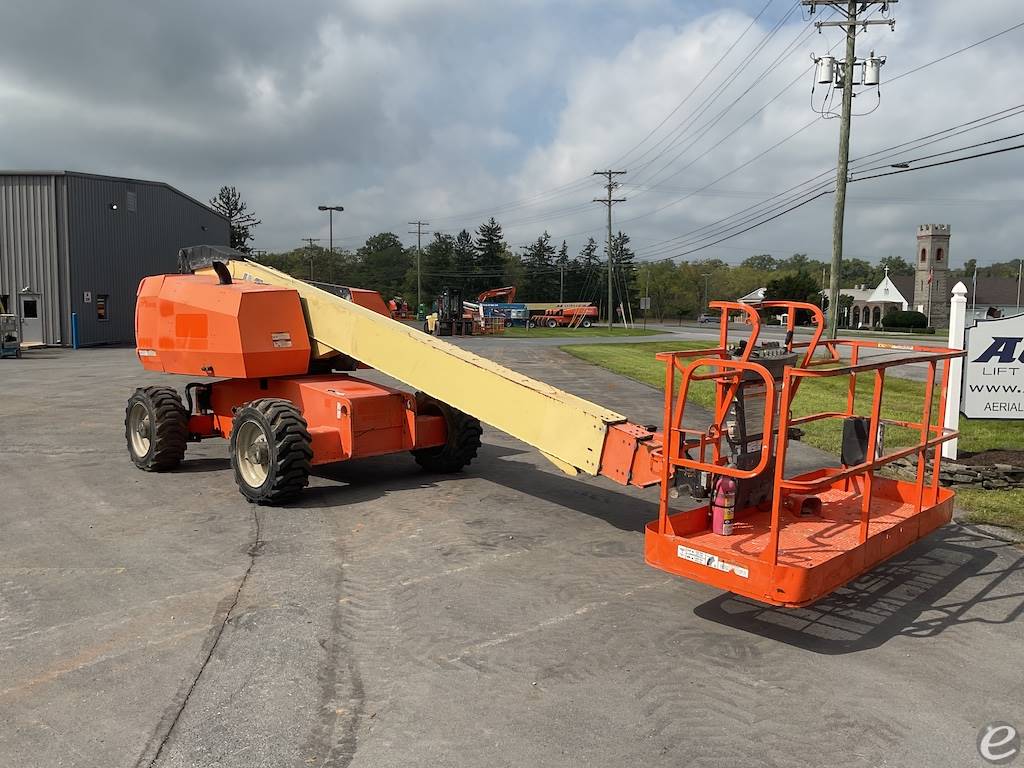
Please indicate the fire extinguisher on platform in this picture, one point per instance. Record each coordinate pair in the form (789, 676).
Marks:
(723, 505)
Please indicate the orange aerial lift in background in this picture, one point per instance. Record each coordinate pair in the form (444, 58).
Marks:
(276, 357)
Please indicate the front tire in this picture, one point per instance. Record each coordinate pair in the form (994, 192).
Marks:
(586, 323)
(156, 428)
(271, 451)
(552, 323)
(463, 438)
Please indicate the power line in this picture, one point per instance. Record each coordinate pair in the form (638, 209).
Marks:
(570, 187)
(893, 151)
(957, 52)
(943, 162)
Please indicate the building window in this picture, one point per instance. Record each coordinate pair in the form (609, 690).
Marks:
(924, 255)
(29, 309)
(130, 202)
(101, 306)
(938, 255)
(3, 303)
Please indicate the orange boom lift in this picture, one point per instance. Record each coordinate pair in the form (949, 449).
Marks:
(276, 358)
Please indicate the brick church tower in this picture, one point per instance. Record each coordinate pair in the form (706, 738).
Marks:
(932, 259)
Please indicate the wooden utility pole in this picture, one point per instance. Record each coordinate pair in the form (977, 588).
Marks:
(312, 253)
(610, 186)
(419, 253)
(849, 24)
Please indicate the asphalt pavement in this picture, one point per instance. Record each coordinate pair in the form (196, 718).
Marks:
(501, 617)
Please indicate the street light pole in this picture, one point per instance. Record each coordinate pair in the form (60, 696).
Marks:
(330, 213)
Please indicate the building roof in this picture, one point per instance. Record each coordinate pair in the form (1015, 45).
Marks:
(125, 179)
(994, 291)
(755, 295)
(905, 285)
(858, 293)
(886, 291)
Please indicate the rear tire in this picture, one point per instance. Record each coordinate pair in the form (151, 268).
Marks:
(463, 438)
(586, 323)
(271, 451)
(156, 428)
(552, 323)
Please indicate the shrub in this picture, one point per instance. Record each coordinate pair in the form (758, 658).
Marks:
(905, 320)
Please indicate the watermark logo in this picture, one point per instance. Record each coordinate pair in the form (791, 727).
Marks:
(998, 743)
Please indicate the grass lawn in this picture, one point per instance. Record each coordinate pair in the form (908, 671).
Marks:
(902, 400)
(574, 333)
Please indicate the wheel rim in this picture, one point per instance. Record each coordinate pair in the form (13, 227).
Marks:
(140, 429)
(253, 454)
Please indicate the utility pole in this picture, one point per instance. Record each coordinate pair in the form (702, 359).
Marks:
(610, 186)
(561, 283)
(825, 72)
(419, 253)
(312, 253)
(647, 292)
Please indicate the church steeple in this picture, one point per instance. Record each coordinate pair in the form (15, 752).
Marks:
(931, 273)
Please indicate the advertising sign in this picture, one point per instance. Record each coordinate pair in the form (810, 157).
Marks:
(994, 370)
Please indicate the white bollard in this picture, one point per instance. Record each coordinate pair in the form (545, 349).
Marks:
(957, 330)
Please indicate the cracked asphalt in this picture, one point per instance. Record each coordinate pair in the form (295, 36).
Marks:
(502, 617)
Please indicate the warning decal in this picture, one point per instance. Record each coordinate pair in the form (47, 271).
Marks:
(711, 561)
(281, 339)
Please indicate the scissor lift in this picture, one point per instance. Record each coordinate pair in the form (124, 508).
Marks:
(783, 550)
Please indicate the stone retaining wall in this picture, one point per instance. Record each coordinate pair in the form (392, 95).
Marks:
(951, 473)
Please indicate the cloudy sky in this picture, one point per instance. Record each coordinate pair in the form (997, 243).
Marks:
(454, 110)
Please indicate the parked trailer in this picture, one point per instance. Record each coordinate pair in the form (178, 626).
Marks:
(255, 337)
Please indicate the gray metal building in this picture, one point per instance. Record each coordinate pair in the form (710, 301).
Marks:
(77, 244)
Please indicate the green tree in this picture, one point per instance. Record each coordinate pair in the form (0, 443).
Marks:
(229, 203)
(796, 262)
(586, 272)
(858, 272)
(540, 280)
(626, 289)
(490, 254)
(897, 265)
(463, 263)
(796, 286)
(437, 265)
(384, 264)
(562, 262)
(763, 262)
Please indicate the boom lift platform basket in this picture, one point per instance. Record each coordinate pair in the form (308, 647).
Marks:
(793, 539)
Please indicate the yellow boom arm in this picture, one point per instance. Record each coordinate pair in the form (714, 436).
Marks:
(568, 430)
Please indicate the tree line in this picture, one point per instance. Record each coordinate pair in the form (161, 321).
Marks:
(546, 270)
(472, 263)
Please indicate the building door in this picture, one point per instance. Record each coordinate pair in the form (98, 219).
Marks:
(31, 313)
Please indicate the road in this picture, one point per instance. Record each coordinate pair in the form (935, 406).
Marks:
(502, 617)
(710, 334)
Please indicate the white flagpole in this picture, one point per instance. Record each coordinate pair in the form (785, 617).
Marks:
(1020, 270)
